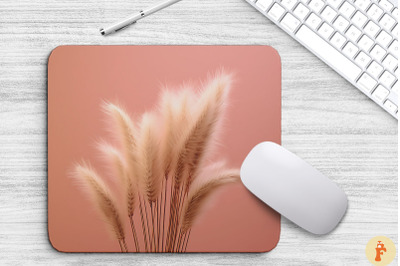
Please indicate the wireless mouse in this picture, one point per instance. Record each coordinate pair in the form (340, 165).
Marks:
(293, 188)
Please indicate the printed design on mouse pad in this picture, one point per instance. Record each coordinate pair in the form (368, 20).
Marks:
(145, 145)
(167, 152)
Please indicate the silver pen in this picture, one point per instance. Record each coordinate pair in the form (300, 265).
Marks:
(132, 19)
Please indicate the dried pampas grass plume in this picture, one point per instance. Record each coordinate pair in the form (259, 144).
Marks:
(176, 111)
(113, 156)
(167, 146)
(201, 136)
(126, 134)
(163, 166)
(148, 146)
(199, 194)
(128, 189)
(117, 161)
(213, 98)
(104, 201)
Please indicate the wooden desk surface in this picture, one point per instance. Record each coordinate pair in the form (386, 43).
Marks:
(325, 120)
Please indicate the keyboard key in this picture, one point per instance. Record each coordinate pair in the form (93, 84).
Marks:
(374, 69)
(394, 47)
(390, 106)
(353, 33)
(366, 82)
(263, 4)
(359, 19)
(390, 62)
(313, 21)
(365, 43)
(371, 29)
(387, 79)
(316, 5)
(328, 14)
(335, 3)
(289, 4)
(333, 57)
(276, 11)
(395, 30)
(362, 4)
(340, 23)
(395, 13)
(395, 88)
(347, 9)
(362, 59)
(290, 22)
(325, 30)
(378, 52)
(301, 11)
(384, 38)
(386, 5)
(338, 40)
(350, 50)
(380, 93)
(387, 22)
(375, 12)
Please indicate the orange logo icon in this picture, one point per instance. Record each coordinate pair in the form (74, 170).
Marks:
(380, 250)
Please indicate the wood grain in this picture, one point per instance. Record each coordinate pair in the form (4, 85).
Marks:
(324, 120)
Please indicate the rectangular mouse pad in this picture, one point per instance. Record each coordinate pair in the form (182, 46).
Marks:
(145, 144)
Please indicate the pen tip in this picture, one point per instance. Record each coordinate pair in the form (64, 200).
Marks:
(102, 32)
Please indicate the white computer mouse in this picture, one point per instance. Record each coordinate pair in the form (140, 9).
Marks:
(293, 188)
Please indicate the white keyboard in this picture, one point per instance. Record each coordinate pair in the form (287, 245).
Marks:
(357, 38)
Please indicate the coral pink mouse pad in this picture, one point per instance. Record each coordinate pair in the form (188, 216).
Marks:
(145, 144)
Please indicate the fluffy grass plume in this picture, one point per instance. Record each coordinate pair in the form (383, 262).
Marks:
(103, 199)
(118, 163)
(175, 140)
(212, 104)
(148, 158)
(176, 111)
(201, 135)
(199, 194)
(125, 132)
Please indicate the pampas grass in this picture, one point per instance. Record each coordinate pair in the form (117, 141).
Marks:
(150, 170)
(103, 200)
(162, 166)
(199, 194)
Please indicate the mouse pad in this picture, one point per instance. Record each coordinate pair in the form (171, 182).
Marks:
(145, 145)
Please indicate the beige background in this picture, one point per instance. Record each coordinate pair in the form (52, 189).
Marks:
(325, 120)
